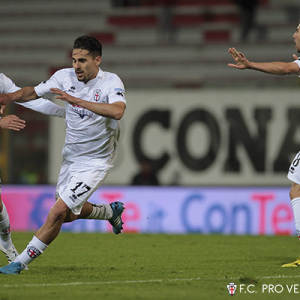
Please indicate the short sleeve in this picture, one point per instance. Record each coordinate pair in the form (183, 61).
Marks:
(43, 89)
(7, 85)
(116, 91)
(297, 61)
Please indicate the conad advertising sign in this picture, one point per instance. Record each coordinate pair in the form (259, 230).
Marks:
(176, 210)
(203, 137)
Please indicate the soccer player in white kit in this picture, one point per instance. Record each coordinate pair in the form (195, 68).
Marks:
(15, 123)
(280, 68)
(95, 103)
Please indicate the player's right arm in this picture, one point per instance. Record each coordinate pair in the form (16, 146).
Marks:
(23, 95)
(41, 105)
(276, 68)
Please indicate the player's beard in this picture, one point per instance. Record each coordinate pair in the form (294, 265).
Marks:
(80, 76)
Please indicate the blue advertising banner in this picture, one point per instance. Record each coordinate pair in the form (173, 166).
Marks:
(177, 210)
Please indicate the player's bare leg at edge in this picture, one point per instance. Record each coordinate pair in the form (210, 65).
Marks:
(295, 201)
(6, 244)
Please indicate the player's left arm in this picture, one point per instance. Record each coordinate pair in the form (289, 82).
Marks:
(110, 110)
(45, 107)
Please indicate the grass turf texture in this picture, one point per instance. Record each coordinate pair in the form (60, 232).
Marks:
(136, 266)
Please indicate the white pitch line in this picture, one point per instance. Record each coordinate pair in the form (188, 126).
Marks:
(95, 283)
(136, 281)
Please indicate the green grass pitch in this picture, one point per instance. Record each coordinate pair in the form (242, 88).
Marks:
(155, 266)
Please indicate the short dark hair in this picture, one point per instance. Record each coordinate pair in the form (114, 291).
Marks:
(90, 43)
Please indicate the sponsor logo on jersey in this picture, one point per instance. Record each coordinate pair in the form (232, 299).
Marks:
(120, 92)
(72, 89)
(82, 112)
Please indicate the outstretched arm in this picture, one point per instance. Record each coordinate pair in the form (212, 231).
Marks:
(45, 107)
(277, 68)
(23, 95)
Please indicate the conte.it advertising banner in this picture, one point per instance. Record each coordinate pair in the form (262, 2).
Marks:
(177, 210)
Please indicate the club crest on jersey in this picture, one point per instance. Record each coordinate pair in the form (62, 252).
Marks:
(96, 94)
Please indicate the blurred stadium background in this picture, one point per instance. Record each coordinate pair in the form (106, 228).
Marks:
(199, 123)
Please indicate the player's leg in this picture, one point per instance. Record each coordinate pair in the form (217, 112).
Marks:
(43, 237)
(295, 200)
(294, 176)
(76, 186)
(6, 244)
(92, 211)
(111, 212)
(49, 231)
(5, 235)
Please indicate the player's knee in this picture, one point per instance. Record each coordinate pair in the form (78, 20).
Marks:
(58, 213)
(70, 217)
(295, 191)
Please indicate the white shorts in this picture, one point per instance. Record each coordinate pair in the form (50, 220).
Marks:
(77, 182)
(294, 170)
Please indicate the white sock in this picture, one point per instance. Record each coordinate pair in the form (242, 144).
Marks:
(101, 212)
(33, 250)
(5, 236)
(296, 209)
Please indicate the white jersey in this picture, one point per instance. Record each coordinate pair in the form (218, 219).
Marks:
(90, 138)
(40, 105)
(297, 61)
